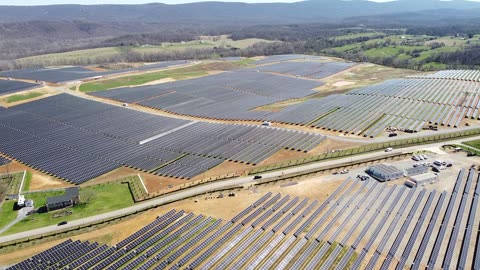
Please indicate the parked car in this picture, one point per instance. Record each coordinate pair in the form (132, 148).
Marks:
(62, 223)
(256, 177)
(389, 149)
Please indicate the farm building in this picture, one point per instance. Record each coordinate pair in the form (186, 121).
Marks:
(416, 170)
(71, 198)
(385, 172)
(422, 179)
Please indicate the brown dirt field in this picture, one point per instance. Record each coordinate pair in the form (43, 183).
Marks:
(154, 183)
(316, 187)
(159, 81)
(227, 167)
(96, 69)
(362, 75)
(342, 83)
(282, 155)
(39, 180)
(332, 144)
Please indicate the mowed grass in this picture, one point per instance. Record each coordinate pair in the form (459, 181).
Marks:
(108, 197)
(177, 74)
(26, 183)
(7, 214)
(21, 97)
(475, 144)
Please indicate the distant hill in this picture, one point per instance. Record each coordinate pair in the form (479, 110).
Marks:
(216, 12)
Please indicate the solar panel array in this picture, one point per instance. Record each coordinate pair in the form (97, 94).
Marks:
(409, 104)
(402, 103)
(285, 57)
(4, 161)
(8, 86)
(307, 69)
(468, 75)
(229, 95)
(98, 138)
(65, 74)
(362, 225)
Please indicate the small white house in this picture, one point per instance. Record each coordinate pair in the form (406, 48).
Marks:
(21, 200)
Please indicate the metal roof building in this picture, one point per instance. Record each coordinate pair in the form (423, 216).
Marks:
(423, 179)
(385, 172)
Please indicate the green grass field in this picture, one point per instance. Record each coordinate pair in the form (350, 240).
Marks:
(28, 180)
(92, 54)
(108, 197)
(475, 144)
(7, 214)
(401, 49)
(244, 62)
(177, 74)
(21, 97)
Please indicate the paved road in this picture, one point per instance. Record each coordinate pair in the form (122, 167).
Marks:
(222, 184)
(21, 214)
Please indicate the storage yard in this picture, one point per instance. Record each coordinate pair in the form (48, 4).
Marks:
(358, 226)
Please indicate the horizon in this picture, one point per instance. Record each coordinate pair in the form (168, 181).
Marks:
(140, 2)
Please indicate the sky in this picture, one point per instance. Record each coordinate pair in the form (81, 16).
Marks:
(91, 2)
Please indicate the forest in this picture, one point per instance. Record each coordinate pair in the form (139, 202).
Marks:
(352, 40)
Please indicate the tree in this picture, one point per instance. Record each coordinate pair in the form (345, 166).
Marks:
(87, 196)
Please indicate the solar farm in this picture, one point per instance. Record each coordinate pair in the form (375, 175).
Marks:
(447, 98)
(361, 225)
(312, 70)
(9, 86)
(77, 139)
(230, 95)
(285, 57)
(168, 136)
(66, 74)
(4, 161)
